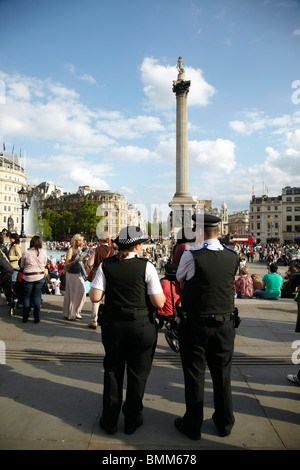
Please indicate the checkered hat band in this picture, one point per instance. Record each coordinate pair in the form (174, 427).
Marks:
(127, 241)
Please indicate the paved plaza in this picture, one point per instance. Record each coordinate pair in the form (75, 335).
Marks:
(51, 381)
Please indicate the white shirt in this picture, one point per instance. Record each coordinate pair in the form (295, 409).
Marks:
(151, 278)
(186, 268)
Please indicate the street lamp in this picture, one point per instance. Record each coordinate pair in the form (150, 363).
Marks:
(23, 194)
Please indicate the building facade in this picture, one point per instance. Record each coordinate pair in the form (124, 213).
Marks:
(291, 214)
(266, 219)
(276, 219)
(238, 222)
(12, 179)
(112, 206)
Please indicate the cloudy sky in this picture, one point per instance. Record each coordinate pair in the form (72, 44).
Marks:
(86, 95)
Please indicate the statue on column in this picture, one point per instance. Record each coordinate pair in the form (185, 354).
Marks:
(181, 72)
(180, 65)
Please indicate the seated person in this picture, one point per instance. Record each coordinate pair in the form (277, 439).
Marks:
(287, 289)
(272, 282)
(245, 285)
(257, 285)
(295, 281)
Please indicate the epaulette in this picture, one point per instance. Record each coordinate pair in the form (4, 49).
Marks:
(198, 249)
(230, 249)
(205, 245)
(145, 260)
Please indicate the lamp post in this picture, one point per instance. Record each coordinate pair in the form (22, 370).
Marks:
(23, 193)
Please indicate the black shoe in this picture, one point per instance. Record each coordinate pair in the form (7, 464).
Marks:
(131, 427)
(36, 320)
(107, 429)
(221, 429)
(178, 423)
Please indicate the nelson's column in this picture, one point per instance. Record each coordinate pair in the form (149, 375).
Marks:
(182, 204)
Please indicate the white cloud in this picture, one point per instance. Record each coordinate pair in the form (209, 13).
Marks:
(131, 128)
(70, 174)
(84, 77)
(19, 91)
(254, 122)
(130, 154)
(213, 156)
(258, 121)
(46, 110)
(157, 80)
(282, 163)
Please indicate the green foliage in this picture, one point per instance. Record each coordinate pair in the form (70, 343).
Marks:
(87, 218)
(57, 225)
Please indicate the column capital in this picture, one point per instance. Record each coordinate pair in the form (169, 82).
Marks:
(181, 87)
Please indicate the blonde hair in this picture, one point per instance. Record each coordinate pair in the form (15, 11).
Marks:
(75, 238)
(244, 270)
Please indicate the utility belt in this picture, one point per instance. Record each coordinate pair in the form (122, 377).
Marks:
(214, 318)
(126, 314)
(219, 318)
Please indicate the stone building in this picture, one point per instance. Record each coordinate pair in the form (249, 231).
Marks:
(238, 222)
(291, 214)
(111, 205)
(12, 179)
(266, 219)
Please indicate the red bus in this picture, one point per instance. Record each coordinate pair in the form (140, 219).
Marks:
(245, 239)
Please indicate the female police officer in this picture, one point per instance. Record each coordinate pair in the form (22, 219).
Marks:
(132, 288)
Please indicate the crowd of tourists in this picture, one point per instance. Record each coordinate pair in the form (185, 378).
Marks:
(273, 285)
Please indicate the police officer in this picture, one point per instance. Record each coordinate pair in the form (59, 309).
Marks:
(208, 271)
(129, 334)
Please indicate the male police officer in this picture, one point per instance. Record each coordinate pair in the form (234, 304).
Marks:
(208, 271)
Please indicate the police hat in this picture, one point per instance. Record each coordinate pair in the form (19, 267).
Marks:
(207, 219)
(130, 236)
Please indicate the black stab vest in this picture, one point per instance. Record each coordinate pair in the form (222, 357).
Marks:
(125, 284)
(211, 289)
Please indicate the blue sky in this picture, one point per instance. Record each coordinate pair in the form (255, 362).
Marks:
(86, 95)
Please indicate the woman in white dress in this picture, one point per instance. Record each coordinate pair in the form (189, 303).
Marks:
(75, 293)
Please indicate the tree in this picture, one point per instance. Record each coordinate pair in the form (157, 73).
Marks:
(87, 218)
(53, 220)
(65, 223)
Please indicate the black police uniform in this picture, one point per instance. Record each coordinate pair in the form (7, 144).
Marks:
(208, 336)
(6, 272)
(129, 337)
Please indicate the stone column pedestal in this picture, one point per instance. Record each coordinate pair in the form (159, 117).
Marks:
(182, 204)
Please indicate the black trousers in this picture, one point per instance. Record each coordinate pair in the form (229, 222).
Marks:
(211, 343)
(130, 345)
(5, 283)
